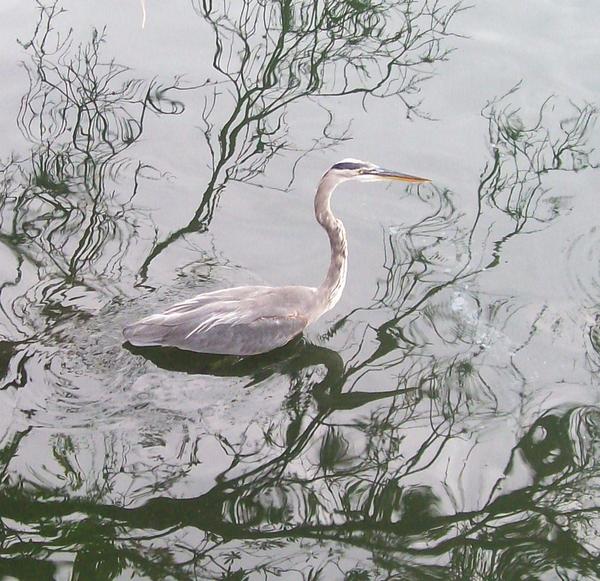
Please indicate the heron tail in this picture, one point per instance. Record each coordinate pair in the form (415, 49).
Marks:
(145, 334)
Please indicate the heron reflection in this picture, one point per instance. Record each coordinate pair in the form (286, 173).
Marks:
(250, 320)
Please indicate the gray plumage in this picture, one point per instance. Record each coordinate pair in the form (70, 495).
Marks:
(249, 320)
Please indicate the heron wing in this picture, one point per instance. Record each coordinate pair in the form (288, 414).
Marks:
(238, 321)
(228, 294)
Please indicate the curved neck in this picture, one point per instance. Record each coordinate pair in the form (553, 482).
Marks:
(333, 285)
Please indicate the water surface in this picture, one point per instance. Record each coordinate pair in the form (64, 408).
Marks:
(441, 422)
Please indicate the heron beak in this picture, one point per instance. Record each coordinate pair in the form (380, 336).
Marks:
(387, 174)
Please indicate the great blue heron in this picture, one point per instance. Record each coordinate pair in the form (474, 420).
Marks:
(249, 320)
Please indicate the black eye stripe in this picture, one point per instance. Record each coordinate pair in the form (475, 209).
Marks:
(348, 165)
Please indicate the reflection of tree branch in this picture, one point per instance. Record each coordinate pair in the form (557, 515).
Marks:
(386, 517)
(80, 114)
(319, 473)
(417, 256)
(275, 55)
(524, 154)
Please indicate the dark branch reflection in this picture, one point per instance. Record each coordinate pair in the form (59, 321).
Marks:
(270, 56)
(60, 214)
(381, 468)
(67, 212)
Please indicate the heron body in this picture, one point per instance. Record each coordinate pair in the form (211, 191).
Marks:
(249, 320)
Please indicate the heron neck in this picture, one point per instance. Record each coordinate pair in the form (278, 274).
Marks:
(333, 285)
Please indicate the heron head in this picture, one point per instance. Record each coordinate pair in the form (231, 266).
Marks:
(364, 171)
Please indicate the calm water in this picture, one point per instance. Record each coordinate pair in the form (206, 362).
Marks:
(442, 422)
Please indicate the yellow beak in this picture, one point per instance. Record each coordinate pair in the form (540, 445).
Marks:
(387, 174)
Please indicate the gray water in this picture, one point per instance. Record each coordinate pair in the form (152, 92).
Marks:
(441, 422)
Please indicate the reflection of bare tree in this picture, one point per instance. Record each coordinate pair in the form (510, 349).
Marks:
(371, 450)
(524, 153)
(368, 473)
(531, 528)
(419, 256)
(273, 55)
(355, 458)
(59, 216)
